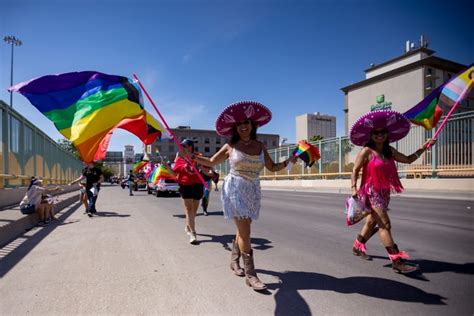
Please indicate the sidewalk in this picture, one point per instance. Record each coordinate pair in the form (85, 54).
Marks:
(446, 189)
(13, 223)
(427, 194)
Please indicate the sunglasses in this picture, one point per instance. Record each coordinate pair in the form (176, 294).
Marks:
(246, 122)
(379, 132)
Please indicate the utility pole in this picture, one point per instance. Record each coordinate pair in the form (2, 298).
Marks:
(14, 42)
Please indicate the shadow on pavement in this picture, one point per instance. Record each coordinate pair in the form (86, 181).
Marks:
(432, 266)
(226, 241)
(215, 213)
(110, 214)
(200, 213)
(290, 302)
(16, 250)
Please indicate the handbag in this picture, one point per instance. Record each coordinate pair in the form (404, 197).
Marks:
(27, 208)
(356, 210)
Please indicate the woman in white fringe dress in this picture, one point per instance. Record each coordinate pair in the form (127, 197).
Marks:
(241, 189)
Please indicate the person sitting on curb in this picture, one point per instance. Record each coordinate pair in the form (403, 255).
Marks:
(34, 195)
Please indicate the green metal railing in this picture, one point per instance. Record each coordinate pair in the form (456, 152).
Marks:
(452, 156)
(26, 151)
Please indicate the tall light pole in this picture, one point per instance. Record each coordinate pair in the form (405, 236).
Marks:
(14, 42)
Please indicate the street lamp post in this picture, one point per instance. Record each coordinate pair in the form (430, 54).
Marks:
(14, 42)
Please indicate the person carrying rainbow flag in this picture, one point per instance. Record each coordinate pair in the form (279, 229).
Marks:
(374, 131)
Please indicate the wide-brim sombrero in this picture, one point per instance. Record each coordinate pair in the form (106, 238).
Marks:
(258, 113)
(394, 122)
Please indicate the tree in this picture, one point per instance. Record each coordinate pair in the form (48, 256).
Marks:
(67, 146)
(106, 171)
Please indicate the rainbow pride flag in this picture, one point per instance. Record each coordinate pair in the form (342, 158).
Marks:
(429, 110)
(153, 177)
(139, 165)
(307, 152)
(87, 106)
(163, 172)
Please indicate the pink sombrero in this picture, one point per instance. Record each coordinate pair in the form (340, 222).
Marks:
(258, 113)
(394, 122)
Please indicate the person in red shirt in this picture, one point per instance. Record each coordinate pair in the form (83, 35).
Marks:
(190, 188)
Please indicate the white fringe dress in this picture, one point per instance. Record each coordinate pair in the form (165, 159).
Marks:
(241, 188)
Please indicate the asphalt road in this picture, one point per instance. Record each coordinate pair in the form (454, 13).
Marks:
(134, 258)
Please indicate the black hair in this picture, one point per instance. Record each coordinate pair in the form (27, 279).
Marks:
(188, 142)
(236, 137)
(33, 180)
(386, 151)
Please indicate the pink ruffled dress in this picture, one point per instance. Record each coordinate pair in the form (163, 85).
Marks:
(379, 179)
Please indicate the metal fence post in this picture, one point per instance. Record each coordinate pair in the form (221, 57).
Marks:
(7, 145)
(340, 156)
(433, 157)
(320, 164)
(288, 155)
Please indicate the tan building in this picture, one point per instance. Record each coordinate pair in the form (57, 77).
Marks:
(207, 142)
(309, 125)
(400, 83)
(114, 159)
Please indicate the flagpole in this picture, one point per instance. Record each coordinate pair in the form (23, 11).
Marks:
(180, 147)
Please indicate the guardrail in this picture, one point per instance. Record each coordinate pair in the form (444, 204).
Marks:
(26, 151)
(452, 156)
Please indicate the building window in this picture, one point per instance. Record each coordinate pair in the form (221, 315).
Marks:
(274, 143)
(429, 84)
(217, 149)
(218, 140)
(206, 149)
(206, 140)
(265, 143)
(196, 148)
(429, 72)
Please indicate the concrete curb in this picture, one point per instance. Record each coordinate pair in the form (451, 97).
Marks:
(15, 223)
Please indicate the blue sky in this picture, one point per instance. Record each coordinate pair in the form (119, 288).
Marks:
(195, 57)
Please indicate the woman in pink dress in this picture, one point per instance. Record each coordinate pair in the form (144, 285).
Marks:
(374, 131)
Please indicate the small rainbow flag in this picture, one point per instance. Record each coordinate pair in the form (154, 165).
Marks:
(429, 110)
(139, 165)
(307, 152)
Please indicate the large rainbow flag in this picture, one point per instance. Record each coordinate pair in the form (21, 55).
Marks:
(87, 106)
(428, 112)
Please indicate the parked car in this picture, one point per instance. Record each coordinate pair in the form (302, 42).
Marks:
(167, 186)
